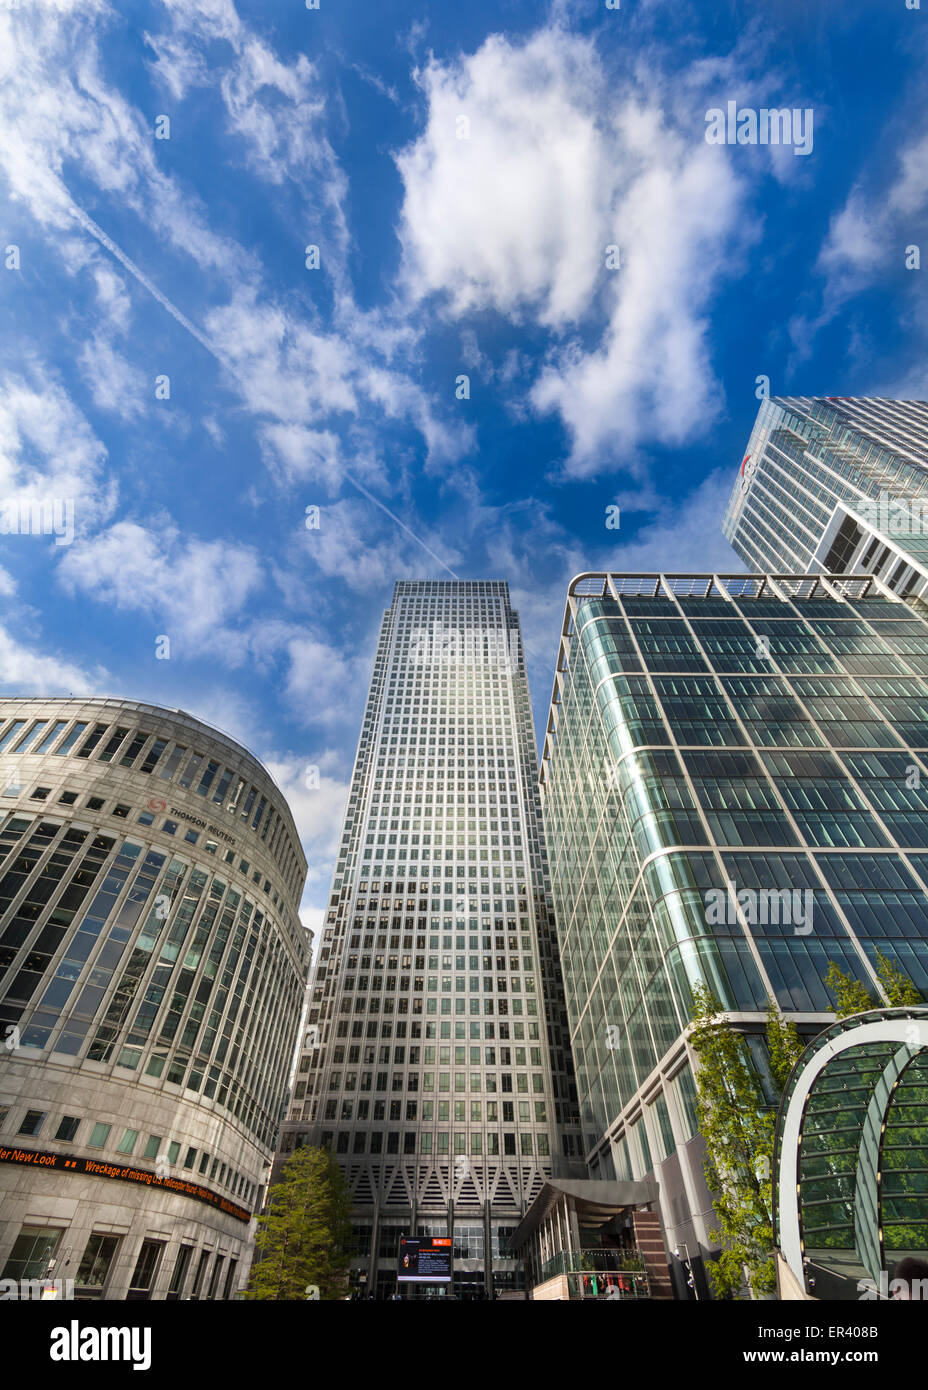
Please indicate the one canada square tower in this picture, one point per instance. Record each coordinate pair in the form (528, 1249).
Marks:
(436, 1062)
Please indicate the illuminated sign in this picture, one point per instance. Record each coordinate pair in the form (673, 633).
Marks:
(425, 1261)
(181, 1186)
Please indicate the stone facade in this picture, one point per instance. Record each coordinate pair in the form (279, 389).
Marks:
(152, 969)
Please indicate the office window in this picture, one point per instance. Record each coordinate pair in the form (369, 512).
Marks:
(127, 1142)
(99, 1135)
(95, 1265)
(146, 1268)
(179, 1274)
(70, 741)
(32, 1250)
(201, 1270)
(51, 736)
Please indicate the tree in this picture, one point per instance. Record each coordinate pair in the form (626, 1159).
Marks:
(737, 1124)
(302, 1240)
(784, 1044)
(851, 996)
(898, 988)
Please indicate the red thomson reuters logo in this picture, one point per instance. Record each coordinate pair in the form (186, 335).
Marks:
(156, 804)
(748, 469)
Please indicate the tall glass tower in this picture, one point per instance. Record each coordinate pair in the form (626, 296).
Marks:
(734, 792)
(836, 485)
(436, 1059)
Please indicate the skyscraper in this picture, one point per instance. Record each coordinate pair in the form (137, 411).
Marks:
(436, 1062)
(836, 484)
(734, 792)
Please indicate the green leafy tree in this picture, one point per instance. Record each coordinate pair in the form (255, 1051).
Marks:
(898, 988)
(302, 1240)
(851, 996)
(784, 1044)
(737, 1124)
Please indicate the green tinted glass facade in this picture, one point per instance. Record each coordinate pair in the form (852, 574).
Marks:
(852, 1150)
(734, 793)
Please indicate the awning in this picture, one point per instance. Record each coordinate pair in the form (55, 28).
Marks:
(597, 1201)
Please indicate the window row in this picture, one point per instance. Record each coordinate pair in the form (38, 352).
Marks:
(164, 1153)
(205, 776)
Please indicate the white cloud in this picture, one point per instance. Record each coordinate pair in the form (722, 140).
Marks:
(276, 110)
(112, 296)
(48, 451)
(176, 64)
(868, 236)
(357, 544)
(298, 454)
(282, 367)
(684, 536)
(506, 191)
(319, 676)
(114, 383)
(909, 191)
(27, 672)
(193, 589)
(56, 109)
(557, 166)
(322, 682)
(301, 381)
(305, 381)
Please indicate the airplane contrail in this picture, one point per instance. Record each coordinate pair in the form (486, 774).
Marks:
(90, 226)
(97, 232)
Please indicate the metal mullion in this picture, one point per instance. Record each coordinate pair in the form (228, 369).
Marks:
(786, 679)
(699, 811)
(838, 754)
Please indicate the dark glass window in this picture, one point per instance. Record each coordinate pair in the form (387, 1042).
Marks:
(146, 1267)
(32, 1250)
(95, 1265)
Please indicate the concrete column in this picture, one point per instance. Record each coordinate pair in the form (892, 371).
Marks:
(574, 1224)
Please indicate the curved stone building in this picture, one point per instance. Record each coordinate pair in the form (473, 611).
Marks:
(152, 973)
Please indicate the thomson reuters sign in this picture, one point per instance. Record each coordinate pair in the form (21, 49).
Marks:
(748, 469)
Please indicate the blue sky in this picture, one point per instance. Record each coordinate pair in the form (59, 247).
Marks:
(462, 170)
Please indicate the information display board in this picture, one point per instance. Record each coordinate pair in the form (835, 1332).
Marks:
(425, 1260)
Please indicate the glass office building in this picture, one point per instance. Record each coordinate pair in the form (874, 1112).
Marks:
(836, 485)
(733, 787)
(152, 974)
(436, 1061)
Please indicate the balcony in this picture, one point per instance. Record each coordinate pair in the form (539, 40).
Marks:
(599, 1273)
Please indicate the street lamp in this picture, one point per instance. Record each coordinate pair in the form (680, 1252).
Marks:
(688, 1266)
